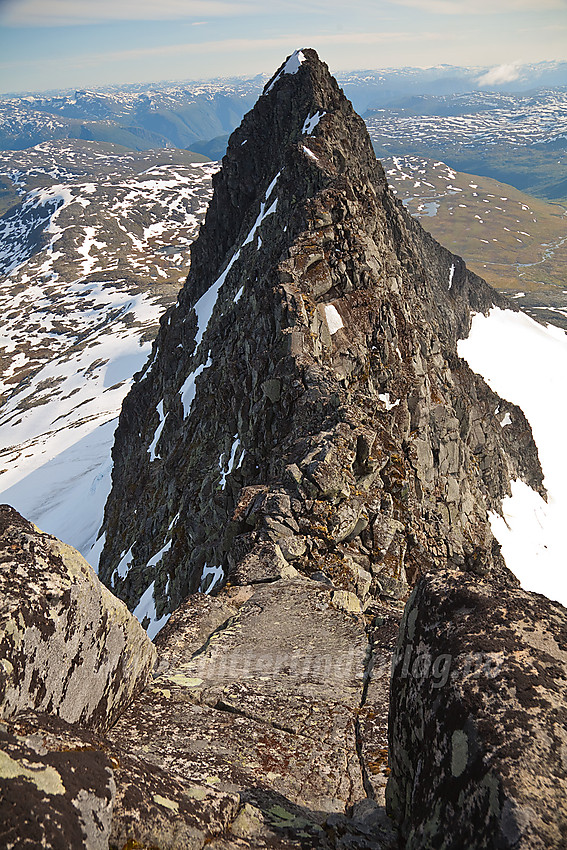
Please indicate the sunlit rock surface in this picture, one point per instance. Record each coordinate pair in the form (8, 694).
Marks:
(303, 447)
(67, 645)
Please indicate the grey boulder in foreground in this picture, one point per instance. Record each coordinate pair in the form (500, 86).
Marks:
(478, 716)
(67, 645)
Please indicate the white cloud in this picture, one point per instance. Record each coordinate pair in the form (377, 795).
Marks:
(500, 74)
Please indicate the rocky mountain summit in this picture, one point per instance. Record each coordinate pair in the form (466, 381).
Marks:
(303, 447)
(304, 407)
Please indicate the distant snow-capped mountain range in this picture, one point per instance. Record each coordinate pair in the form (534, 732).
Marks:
(182, 114)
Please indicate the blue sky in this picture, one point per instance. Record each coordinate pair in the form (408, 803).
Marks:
(48, 44)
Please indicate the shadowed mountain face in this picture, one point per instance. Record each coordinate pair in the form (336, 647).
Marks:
(304, 404)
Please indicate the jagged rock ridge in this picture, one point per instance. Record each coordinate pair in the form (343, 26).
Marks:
(305, 404)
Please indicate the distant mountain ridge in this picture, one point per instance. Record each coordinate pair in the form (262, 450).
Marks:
(172, 116)
(160, 114)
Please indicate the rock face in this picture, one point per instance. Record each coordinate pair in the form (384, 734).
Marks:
(478, 737)
(57, 786)
(305, 411)
(68, 647)
(63, 786)
(257, 695)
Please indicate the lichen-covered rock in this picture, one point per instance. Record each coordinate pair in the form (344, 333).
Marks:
(274, 693)
(65, 787)
(258, 694)
(159, 809)
(372, 722)
(57, 787)
(478, 736)
(269, 700)
(68, 647)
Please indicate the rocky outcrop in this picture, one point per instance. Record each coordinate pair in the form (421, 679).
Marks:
(265, 727)
(65, 787)
(57, 787)
(306, 438)
(73, 652)
(259, 728)
(68, 647)
(305, 408)
(264, 704)
(478, 737)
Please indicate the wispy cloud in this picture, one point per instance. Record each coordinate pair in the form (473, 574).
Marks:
(500, 74)
(283, 43)
(483, 7)
(72, 12)
(28, 13)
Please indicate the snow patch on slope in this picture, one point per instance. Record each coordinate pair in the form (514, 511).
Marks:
(69, 346)
(311, 122)
(157, 434)
(205, 306)
(217, 574)
(188, 388)
(291, 67)
(57, 431)
(526, 363)
(234, 448)
(146, 607)
(334, 321)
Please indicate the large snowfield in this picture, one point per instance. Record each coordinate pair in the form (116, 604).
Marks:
(526, 363)
(56, 452)
(80, 306)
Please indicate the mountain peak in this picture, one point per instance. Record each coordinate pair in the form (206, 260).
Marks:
(303, 129)
(291, 66)
(304, 411)
(304, 446)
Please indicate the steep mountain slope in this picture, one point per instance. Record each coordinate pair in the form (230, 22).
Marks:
(525, 360)
(516, 242)
(90, 256)
(304, 404)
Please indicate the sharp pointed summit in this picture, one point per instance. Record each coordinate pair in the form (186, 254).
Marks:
(304, 410)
